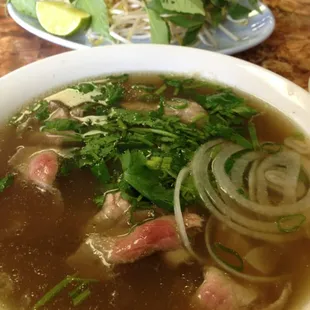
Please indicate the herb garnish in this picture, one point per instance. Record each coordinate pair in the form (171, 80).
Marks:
(6, 182)
(151, 147)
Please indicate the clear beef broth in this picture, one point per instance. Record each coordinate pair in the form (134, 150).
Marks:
(35, 243)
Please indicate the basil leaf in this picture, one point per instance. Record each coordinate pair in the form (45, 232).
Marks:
(160, 33)
(184, 6)
(99, 16)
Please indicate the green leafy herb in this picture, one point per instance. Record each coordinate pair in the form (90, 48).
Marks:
(187, 21)
(101, 172)
(184, 6)
(42, 113)
(67, 165)
(111, 93)
(160, 33)
(253, 136)
(100, 16)
(237, 11)
(146, 182)
(99, 200)
(219, 247)
(290, 223)
(6, 182)
(27, 7)
(217, 16)
(191, 35)
(85, 87)
(61, 124)
(227, 105)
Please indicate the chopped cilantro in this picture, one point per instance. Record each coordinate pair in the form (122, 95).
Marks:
(110, 93)
(42, 113)
(85, 87)
(6, 182)
(60, 124)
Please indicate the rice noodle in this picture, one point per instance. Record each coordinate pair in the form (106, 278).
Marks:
(258, 279)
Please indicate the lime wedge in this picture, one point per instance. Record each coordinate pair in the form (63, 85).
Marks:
(60, 18)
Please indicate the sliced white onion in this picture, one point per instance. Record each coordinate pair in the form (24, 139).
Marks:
(226, 184)
(179, 216)
(262, 225)
(238, 170)
(252, 180)
(291, 161)
(300, 146)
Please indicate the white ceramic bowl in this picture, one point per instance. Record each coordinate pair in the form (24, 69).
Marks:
(43, 76)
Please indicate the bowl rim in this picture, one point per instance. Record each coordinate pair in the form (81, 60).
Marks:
(287, 97)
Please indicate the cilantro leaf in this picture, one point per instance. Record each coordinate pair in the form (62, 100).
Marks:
(66, 166)
(61, 124)
(42, 113)
(110, 93)
(6, 182)
(84, 87)
(101, 172)
(227, 106)
(97, 149)
(145, 181)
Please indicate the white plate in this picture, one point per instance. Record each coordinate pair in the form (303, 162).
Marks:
(259, 28)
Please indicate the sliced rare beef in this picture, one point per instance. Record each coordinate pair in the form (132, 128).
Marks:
(220, 292)
(158, 235)
(186, 110)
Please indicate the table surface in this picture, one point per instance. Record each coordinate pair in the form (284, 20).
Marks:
(286, 52)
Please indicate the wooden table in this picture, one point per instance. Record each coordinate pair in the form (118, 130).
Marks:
(286, 52)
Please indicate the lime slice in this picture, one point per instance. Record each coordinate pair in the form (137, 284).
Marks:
(60, 18)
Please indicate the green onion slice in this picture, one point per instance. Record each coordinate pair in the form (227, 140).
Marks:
(290, 223)
(219, 247)
(81, 297)
(160, 90)
(253, 135)
(54, 291)
(183, 104)
(271, 147)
